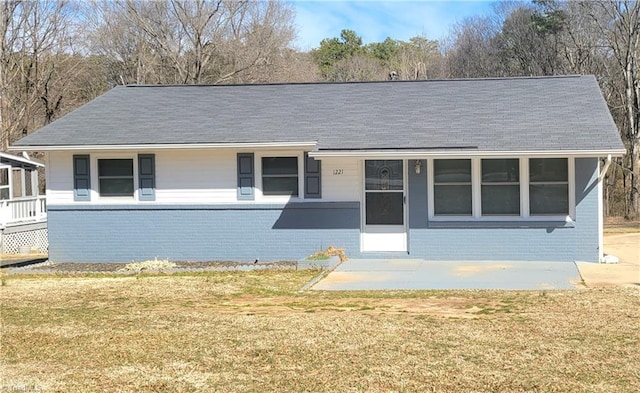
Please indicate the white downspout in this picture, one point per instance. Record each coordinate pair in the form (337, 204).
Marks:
(601, 176)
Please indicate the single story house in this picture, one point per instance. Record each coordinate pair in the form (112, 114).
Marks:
(471, 169)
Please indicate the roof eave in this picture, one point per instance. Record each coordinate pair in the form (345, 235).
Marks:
(29, 161)
(465, 153)
(166, 146)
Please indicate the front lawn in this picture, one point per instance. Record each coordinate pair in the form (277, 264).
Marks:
(253, 331)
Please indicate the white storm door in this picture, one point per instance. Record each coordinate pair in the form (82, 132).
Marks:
(384, 226)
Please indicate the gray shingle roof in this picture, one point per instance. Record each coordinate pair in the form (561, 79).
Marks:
(512, 114)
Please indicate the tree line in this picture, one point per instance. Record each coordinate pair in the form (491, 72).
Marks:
(56, 55)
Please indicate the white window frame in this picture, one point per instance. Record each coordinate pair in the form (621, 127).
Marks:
(32, 173)
(95, 181)
(23, 187)
(260, 197)
(470, 183)
(9, 185)
(476, 192)
(479, 201)
(550, 182)
(35, 185)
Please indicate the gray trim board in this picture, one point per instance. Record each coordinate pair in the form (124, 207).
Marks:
(25, 227)
(239, 206)
(501, 224)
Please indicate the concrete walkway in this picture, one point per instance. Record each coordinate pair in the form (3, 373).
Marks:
(626, 247)
(402, 274)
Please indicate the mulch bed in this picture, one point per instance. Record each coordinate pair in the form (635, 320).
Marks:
(181, 266)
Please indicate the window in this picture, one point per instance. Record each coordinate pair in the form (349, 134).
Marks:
(548, 186)
(500, 188)
(29, 177)
(115, 177)
(4, 184)
(452, 187)
(280, 176)
(16, 178)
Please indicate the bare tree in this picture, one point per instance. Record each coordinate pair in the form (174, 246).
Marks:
(125, 53)
(257, 44)
(419, 58)
(193, 41)
(357, 68)
(471, 53)
(35, 47)
(618, 24)
(12, 19)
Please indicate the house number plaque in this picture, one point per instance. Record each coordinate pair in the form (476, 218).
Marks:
(337, 172)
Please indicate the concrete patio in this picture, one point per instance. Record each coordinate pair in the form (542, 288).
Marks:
(407, 274)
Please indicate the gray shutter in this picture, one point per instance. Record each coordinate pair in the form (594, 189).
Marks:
(147, 177)
(246, 177)
(81, 178)
(312, 177)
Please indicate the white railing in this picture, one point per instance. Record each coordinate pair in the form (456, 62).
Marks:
(23, 210)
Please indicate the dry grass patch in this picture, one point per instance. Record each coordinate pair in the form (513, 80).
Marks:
(621, 225)
(253, 331)
(328, 253)
(153, 265)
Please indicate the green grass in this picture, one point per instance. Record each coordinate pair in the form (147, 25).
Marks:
(253, 331)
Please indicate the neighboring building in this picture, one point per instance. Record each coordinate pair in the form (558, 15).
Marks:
(479, 169)
(23, 211)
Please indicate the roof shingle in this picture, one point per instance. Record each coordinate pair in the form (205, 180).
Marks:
(507, 114)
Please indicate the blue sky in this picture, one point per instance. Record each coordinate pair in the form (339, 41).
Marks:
(376, 20)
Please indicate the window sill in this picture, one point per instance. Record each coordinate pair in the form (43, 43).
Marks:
(115, 199)
(503, 224)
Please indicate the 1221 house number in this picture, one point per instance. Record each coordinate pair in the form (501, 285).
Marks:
(337, 172)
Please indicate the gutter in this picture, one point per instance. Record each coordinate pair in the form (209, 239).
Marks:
(603, 172)
(166, 146)
(460, 153)
(24, 159)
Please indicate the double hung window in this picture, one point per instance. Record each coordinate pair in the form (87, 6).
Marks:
(452, 187)
(4, 184)
(548, 186)
(115, 177)
(280, 176)
(506, 187)
(500, 189)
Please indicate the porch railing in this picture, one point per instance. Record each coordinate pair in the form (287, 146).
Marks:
(23, 210)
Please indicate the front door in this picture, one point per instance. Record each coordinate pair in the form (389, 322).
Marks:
(384, 201)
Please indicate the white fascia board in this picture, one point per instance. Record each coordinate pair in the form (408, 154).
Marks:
(464, 154)
(21, 159)
(167, 146)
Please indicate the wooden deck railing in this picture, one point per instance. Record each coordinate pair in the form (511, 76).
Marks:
(23, 210)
